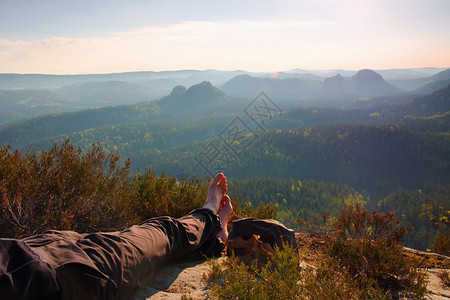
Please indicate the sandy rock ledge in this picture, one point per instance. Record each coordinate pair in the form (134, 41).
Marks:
(177, 280)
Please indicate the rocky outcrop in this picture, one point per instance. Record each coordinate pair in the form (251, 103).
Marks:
(177, 280)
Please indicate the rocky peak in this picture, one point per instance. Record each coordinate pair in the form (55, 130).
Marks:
(367, 76)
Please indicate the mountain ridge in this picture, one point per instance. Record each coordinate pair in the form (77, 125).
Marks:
(424, 109)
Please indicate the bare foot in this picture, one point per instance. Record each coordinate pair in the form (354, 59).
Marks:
(217, 190)
(224, 216)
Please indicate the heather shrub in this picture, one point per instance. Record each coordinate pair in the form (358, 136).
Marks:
(62, 188)
(278, 279)
(65, 188)
(368, 246)
(283, 278)
(440, 218)
(444, 275)
(263, 211)
(164, 195)
(363, 260)
(331, 281)
(441, 243)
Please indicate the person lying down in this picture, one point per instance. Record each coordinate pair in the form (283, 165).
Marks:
(111, 265)
(114, 265)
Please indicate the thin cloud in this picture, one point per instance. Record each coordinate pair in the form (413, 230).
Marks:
(251, 45)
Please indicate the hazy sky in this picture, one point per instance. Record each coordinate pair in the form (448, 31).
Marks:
(105, 36)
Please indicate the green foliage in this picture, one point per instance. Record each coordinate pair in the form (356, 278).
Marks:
(356, 222)
(22, 103)
(68, 189)
(67, 186)
(264, 211)
(416, 207)
(363, 260)
(367, 245)
(283, 278)
(441, 243)
(331, 281)
(276, 280)
(293, 199)
(164, 195)
(378, 159)
(440, 217)
(62, 189)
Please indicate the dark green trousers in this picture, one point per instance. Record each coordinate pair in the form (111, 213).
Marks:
(113, 265)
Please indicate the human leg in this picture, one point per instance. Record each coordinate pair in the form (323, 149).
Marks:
(131, 257)
(23, 274)
(121, 262)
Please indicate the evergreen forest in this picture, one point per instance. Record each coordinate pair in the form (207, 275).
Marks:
(298, 161)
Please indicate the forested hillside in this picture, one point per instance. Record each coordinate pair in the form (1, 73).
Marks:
(307, 160)
(204, 100)
(199, 101)
(379, 159)
(34, 129)
(31, 95)
(299, 202)
(21, 104)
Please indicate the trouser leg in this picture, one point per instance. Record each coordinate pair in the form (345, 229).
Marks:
(131, 257)
(108, 265)
(23, 275)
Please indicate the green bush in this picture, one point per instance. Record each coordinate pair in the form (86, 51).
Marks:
(278, 279)
(368, 246)
(164, 195)
(363, 260)
(263, 211)
(62, 188)
(283, 278)
(440, 218)
(441, 243)
(331, 281)
(68, 189)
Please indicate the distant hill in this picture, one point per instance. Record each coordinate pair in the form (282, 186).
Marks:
(414, 73)
(429, 106)
(430, 112)
(334, 91)
(365, 83)
(198, 101)
(105, 93)
(379, 159)
(47, 81)
(21, 134)
(200, 94)
(426, 113)
(291, 90)
(414, 85)
(24, 103)
(368, 83)
(190, 77)
(81, 92)
(435, 82)
(431, 87)
(303, 76)
(336, 86)
(443, 75)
